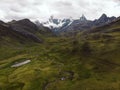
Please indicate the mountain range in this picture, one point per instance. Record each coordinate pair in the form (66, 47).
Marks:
(26, 30)
(38, 56)
(66, 25)
(21, 31)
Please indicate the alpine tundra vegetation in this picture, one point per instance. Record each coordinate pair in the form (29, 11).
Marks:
(59, 54)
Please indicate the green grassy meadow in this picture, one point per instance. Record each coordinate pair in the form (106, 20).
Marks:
(90, 62)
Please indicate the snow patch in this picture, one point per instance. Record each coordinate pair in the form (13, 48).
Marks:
(21, 63)
(53, 23)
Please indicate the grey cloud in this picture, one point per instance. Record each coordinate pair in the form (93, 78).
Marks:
(63, 3)
(42, 9)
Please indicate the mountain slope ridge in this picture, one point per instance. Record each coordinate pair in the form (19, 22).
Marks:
(67, 25)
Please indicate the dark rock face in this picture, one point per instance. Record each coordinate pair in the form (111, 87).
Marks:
(78, 25)
(106, 28)
(1, 22)
(44, 30)
(25, 25)
(84, 24)
(23, 28)
(103, 20)
(83, 19)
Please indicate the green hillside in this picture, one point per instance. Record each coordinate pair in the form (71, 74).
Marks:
(88, 61)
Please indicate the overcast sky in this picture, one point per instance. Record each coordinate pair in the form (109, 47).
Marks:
(43, 9)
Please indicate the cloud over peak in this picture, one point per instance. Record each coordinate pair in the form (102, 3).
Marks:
(43, 9)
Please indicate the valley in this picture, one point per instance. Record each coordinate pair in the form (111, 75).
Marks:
(87, 60)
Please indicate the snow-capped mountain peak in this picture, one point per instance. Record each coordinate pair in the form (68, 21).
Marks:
(54, 23)
(83, 18)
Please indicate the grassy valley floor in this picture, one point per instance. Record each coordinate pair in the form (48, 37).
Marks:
(63, 63)
(88, 61)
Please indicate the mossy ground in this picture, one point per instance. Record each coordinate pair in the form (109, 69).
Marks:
(94, 68)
